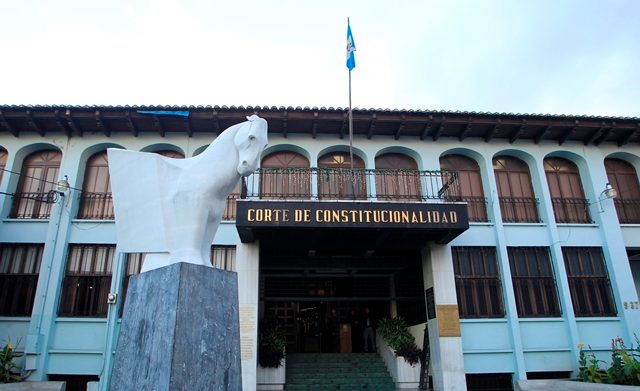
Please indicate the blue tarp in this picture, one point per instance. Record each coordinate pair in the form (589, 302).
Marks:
(178, 113)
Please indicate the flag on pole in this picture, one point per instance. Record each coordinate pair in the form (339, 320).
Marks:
(351, 48)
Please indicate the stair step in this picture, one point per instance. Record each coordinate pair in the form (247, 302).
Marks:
(337, 371)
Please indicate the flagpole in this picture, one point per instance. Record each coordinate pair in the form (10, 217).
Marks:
(353, 177)
(350, 125)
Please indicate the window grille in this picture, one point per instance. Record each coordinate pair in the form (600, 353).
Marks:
(478, 285)
(224, 257)
(534, 283)
(588, 281)
(38, 179)
(87, 281)
(19, 268)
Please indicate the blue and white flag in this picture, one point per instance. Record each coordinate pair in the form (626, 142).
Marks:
(351, 48)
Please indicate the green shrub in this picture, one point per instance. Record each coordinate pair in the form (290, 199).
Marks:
(624, 369)
(271, 345)
(395, 334)
(9, 371)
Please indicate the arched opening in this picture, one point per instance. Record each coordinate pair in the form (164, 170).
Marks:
(3, 161)
(397, 177)
(285, 174)
(336, 180)
(567, 196)
(623, 177)
(515, 192)
(95, 201)
(470, 185)
(33, 199)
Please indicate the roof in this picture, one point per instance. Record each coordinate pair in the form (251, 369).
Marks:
(428, 125)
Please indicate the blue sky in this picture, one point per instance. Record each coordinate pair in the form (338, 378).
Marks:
(518, 56)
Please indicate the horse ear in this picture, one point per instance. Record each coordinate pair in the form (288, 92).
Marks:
(252, 117)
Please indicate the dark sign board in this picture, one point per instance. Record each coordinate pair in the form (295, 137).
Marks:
(255, 215)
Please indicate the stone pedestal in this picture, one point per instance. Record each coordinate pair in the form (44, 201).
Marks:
(180, 331)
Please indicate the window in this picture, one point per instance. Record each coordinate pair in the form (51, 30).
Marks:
(38, 178)
(534, 284)
(170, 153)
(134, 265)
(285, 174)
(87, 280)
(567, 196)
(623, 177)
(19, 268)
(95, 201)
(517, 202)
(397, 177)
(224, 257)
(3, 161)
(478, 284)
(470, 185)
(337, 181)
(588, 281)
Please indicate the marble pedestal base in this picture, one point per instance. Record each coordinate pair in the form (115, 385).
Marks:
(180, 331)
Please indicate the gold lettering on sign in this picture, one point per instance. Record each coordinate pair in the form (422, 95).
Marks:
(448, 320)
(347, 216)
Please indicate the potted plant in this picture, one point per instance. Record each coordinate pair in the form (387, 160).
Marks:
(399, 352)
(271, 356)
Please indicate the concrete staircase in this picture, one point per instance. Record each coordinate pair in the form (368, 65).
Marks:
(337, 371)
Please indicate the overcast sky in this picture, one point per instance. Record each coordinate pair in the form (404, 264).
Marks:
(518, 56)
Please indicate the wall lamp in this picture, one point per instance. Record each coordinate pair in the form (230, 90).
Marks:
(63, 185)
(608, 193)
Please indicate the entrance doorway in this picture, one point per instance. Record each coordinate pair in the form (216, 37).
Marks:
(321, 301)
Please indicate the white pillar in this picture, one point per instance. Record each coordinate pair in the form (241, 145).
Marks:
(447, 360)
(247, 266)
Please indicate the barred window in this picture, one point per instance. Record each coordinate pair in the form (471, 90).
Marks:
(397, 177)
(588, 281)
(534, 284)
(3, 161)
(478, 283)
(19, 268)
(515, 191)
(39, 176)
(470, 189)
(285, 174)
(224, 257)
(87, 281)
(95, 200)
(134, 265)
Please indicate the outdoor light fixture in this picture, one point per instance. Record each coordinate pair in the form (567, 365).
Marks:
(608, 193)
(63, 185)
(112, 298)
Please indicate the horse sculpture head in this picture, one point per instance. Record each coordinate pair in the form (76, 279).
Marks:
(250, 141)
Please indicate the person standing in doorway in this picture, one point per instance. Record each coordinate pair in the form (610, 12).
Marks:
(368, 333)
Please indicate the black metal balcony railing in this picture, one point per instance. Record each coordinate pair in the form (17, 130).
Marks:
(32, 205)
(628, 210)
(477, 208)
(96, 206)
(519, 209)
(571, 210)
(347, 184)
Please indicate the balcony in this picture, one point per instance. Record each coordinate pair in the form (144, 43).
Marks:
(32, 205)
(628, 210)
(95, 206)
(571, 210)
(327, 184)
(519, 209)
(356, 184)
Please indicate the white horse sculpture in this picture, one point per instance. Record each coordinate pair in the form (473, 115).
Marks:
(169, 208)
